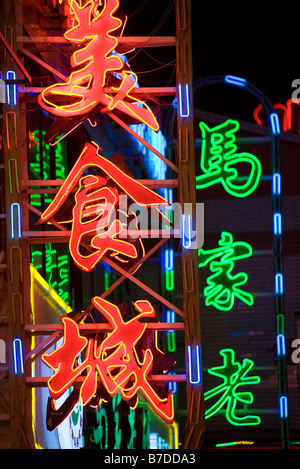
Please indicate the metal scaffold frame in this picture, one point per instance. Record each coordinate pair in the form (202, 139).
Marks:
(20, 237)
(17, 254)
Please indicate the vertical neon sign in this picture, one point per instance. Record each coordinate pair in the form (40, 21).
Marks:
(84, 92)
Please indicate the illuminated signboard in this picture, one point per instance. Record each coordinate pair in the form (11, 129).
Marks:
(101, 81)
(222, 286)
(57, 271)
(117, 364)
(91, 199)
(219, 159)
(234, 375)
(93, 222)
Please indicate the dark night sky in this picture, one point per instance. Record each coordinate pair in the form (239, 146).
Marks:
(258, 43)
(260, 47)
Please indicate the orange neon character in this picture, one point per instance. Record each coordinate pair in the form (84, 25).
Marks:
(88, 203)
(85, 91)
(94, 228)
(119, 363)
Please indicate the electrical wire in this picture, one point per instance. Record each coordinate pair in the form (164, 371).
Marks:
(136, 11)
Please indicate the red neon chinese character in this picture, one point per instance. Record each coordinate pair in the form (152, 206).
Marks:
(118, 363)
(85, 88)
(93, 227)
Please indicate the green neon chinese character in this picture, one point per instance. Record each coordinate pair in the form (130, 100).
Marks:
(234, 376)
(219, 157)
(222, 286)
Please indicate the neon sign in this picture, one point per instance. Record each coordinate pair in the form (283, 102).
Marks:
(11, 90)
(121, 362)
(222, 286)
(95, 203)
(57, 273)
(118, 429)
(18, 356)
(194, 365)
(234, 375)
(117, 364)
(2, 351)
(219, 157)
(54, 262)
(96, 70)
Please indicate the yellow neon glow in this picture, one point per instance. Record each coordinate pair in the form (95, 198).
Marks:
(36, 277)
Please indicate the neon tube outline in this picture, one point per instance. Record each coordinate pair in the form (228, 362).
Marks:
(185, 94)
(197, 380)
(13, 233)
